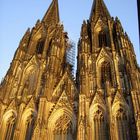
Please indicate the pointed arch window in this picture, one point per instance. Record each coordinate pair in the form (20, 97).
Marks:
(106, 74)
(103, 38)
(122, 125)
(53, 49)
(99, 126)
(30, 81)
(40, 46)
(63, 129)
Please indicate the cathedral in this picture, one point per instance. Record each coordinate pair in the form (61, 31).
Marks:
(41, 99)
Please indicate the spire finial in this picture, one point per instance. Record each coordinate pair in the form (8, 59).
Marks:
(99, 9)
(52, 14)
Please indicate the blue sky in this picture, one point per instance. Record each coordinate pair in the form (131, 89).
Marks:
(16, 16)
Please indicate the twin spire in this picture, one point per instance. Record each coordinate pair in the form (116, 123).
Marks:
(52, 14)
(99, 9)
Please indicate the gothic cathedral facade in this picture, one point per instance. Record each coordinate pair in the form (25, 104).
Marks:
(41, 100)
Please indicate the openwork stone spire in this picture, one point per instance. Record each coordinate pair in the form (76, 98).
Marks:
(99, 9)
(52, 14)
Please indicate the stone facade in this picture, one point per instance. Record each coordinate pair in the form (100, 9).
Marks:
(40, 99)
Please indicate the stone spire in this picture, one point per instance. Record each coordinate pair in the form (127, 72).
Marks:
(52, 14)
(99, 9)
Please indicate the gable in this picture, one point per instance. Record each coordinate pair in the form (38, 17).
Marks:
(66, 83)
(103, 56)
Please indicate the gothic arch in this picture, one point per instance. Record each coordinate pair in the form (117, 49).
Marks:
(98, 122)
(105, 72)
(100, 25)
(103, 56)
(102, 37)
(95, 107)
(52, 53)
(8, 125)
(33, 45)
(27, 123)
(120, 103)
(40, 46)
(29, 77)
(120, 121)
(61, 124)
(33, 63)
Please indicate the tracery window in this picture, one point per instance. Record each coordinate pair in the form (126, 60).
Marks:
(102, 39)
(99, 126)
(122, 125)
(106, 74)
(30, 80)
(63, 130)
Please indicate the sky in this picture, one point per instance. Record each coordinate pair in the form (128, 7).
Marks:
(17, 15)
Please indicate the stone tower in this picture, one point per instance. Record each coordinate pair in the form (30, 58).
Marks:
(38, 94)
(40, 99)
(108, 80)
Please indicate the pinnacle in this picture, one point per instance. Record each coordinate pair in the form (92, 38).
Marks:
(52, 14)
(99, 9)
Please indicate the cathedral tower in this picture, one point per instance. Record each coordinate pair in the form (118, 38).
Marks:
(108, 80)
(40, 99)
(38, 93)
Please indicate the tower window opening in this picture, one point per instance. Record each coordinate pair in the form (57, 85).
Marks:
(106, 74)
(103, 41)
(40, 47)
